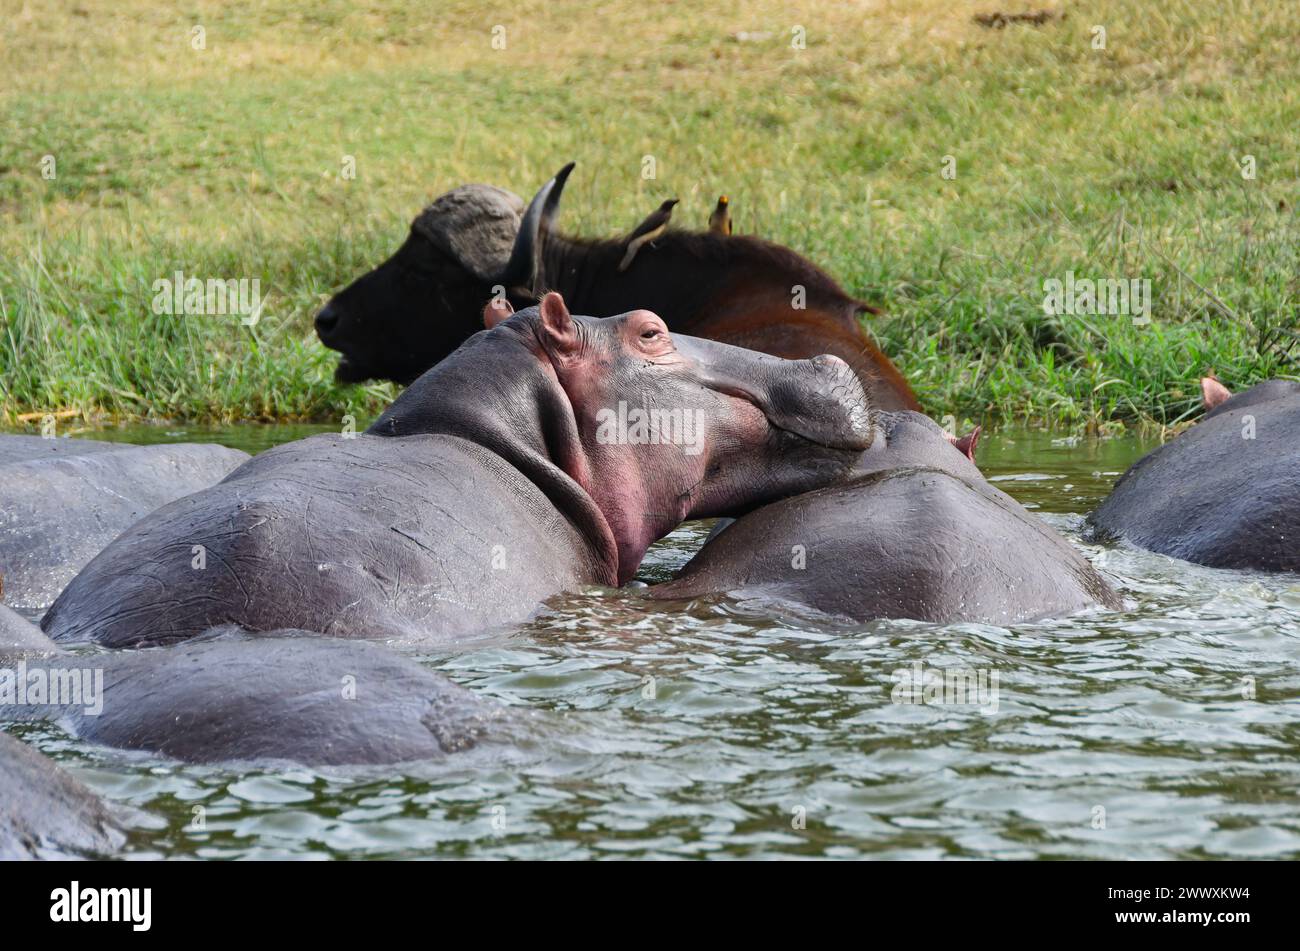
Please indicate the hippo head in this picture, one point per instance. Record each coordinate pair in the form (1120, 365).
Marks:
(640, 428)
(410, 312)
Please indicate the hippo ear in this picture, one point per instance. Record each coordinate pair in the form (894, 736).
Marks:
(495, 311)
(557, 324)
(1213, 393)
(966, 444)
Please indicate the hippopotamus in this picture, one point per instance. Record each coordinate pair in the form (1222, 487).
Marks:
(547, 453)
(62, 500)
(477, 242)
(45, 813)
(917, 532)
(17, 634)
(231, 696)
(1225, 493)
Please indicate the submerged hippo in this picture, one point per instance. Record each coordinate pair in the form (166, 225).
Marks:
(548, 452)
(1225, 493)
(63, 500)
(477, 241)
(916, 533)
(277, 696)
(47, 814)
(281, 695)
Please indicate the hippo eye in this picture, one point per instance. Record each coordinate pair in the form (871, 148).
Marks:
(651, 333)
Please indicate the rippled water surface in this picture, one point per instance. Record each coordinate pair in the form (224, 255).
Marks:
(1171, 729)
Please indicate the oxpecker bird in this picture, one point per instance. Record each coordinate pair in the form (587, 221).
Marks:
(720, 220)
(655, 225)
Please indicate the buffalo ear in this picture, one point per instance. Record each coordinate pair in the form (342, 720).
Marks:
(495, 311)
(558, 327)
(1213, 393)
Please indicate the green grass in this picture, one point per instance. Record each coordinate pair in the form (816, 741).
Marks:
(1119, 163)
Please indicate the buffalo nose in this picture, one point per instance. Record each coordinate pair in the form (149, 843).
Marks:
(326, 320)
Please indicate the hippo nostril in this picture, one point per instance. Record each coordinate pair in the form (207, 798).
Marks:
(326, 320)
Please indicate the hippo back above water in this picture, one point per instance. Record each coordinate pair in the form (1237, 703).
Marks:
(916, 533)
(45, 813)
(1225, 493)
(63, 500)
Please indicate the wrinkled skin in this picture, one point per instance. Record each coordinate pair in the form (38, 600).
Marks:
(1211, 495)
(475, 243)
(283, 696)
(917, 533)
(484, 489)
(47, 814)
(63, 500)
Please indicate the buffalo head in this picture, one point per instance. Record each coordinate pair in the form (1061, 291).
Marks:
(469, 245)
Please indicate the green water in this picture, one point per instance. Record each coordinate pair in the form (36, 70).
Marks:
(1117, 735)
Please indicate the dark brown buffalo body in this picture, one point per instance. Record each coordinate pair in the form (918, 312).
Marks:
(739, 290)
(418, 306)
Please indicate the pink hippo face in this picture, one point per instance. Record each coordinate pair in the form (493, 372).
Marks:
(668, 427)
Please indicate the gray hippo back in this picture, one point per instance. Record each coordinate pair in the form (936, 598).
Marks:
(63, 500)
(47, 814)
(918, 534)
(1225, 493)
(282, 696)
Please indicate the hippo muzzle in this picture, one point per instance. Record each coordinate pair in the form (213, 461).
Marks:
(819, 399)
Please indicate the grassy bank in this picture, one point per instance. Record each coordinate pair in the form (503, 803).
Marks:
(225, 162)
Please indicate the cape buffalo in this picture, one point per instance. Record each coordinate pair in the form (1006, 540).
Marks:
(470, 245)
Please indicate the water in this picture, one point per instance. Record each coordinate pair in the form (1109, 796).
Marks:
(724, 731)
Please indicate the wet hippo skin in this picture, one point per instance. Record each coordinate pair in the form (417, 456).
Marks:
(63, 500)
(1225, 493)
(918, 533)
(47, 814)
(280, 696)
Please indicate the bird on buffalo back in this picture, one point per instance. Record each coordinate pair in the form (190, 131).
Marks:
(720, 220)
(653, 226)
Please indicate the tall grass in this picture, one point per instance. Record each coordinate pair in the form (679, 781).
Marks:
(225, 162)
